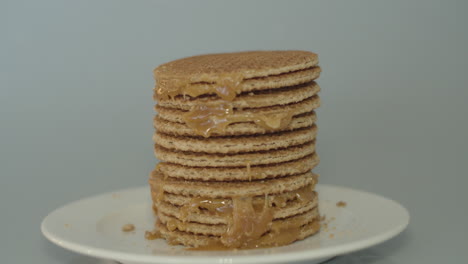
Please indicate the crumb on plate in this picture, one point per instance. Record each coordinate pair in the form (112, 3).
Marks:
(128, 228)
(341, 204)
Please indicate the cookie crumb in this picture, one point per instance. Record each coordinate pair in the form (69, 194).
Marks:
(325, 225)
(128, 228)
(331, 236)
(341, 204)
(152, 235)
(323, 217)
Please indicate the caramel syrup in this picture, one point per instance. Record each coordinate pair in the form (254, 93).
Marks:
(227, 87)
(205, 119)
(250, 222)
(246, 224)
(249, 225)
(277, 236)
(213, 205)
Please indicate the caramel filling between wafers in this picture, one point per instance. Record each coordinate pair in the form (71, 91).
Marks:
(250, 220)
(249, 226)
(250, 223)
(205, 119)
(227, 87)
(225, 207)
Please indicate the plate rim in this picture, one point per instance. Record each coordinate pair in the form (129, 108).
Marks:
(324, 253)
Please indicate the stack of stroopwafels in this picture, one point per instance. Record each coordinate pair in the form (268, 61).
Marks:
(235, 134)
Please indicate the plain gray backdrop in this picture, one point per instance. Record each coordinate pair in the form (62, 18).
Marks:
(76, 105)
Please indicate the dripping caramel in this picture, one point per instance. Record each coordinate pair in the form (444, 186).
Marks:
(220, 206)
(206, 119)
(250, 221)
(246, 224)
(227, 86)
(286, 234)
(277, 236)
(223, 207)
(305, 194)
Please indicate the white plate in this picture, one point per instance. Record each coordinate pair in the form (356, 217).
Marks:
(93, 226)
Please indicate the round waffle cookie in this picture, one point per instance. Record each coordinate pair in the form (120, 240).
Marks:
(232, 189)
(174, 223)
(285, 236)
(280, 96)
(304, 106)
(279, 200)
(290, 208)
(235, 133)
(246, 128)
(251, 64)
(237, 160)
(237, 144)
(245, 173)
(226, 74)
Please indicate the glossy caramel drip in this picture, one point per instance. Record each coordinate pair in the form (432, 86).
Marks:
(279, 235)
(275, 121)
(224, 207)
(205, 119)
(227, 87)
(218, 206)
(169, 88)
(246, 224)
(213, 205)
(305, 194)
(251, 221)
(284, 234)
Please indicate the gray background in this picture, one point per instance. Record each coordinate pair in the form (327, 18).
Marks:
(76, 105)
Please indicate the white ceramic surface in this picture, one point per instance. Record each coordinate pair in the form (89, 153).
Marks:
(92, 226)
